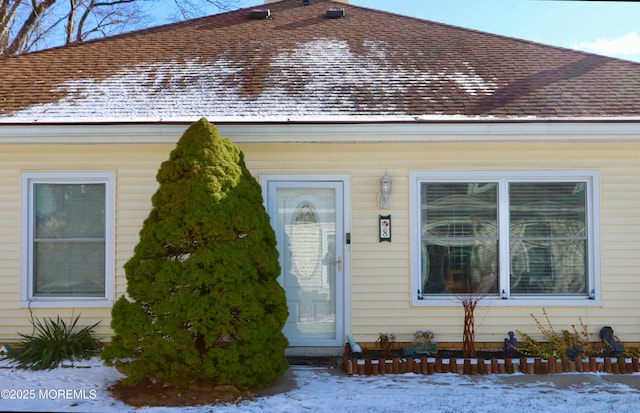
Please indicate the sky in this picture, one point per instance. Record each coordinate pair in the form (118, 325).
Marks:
(610, 28)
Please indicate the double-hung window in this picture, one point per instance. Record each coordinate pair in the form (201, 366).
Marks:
(518, 237)
(67, 253)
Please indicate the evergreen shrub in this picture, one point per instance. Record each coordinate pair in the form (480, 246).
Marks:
(204, 303)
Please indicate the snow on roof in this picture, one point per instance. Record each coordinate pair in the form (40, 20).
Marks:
(331, 78)
(300, 65)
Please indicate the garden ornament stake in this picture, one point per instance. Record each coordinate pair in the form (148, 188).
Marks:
(510, 345)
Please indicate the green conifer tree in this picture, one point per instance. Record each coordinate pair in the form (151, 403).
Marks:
(204, 302)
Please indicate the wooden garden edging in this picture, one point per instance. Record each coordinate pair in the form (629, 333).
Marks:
(526, 365)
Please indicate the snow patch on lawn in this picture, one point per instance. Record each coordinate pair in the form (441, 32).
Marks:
(323, 390)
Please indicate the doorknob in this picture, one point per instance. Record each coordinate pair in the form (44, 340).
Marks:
(339, 262)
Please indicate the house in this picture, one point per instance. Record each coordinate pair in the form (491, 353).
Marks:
(403, 162)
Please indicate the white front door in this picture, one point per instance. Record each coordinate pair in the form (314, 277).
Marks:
(308, 218)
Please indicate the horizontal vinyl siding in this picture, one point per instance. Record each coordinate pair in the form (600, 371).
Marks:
(380, 272)
(620, 231)
(136, 184)
(135, 167)
(11, 319)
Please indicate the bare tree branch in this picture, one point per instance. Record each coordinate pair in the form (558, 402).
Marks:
(73, 6)
(29, 25)
(105, 21)
(17, 43)
(45, 32)
(8, 12)
(188, 9)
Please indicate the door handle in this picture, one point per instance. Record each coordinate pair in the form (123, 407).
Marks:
(339, 263)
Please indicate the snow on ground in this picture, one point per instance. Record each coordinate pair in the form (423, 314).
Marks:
(83, 389)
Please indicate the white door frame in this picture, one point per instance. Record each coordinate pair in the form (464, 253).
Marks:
(346, 213)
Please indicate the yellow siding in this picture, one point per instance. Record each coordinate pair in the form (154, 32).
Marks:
(135, 167)
(380, 272)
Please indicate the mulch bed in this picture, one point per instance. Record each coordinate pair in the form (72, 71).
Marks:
(152, 393)
(148, 393)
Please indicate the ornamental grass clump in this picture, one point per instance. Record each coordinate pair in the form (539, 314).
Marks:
(204, 304)
(53, 342)
(557, 344)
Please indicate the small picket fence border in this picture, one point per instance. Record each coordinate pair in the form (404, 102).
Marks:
(525, 365)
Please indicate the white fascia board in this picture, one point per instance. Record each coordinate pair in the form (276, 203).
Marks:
(496, 131)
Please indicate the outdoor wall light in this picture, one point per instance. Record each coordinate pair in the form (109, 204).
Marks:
(385, 191)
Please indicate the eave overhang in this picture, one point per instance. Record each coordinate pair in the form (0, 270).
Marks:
(567, 130)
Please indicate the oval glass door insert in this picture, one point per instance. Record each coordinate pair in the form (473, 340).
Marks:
(305, 240)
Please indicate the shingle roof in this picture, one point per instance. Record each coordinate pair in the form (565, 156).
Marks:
(300, 65)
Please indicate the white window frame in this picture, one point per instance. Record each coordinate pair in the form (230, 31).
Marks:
(28, 180)
(592, 180)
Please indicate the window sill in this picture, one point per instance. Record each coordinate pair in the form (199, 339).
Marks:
(68, 303)
(451, 301)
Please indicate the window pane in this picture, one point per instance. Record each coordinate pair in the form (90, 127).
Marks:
(548, 242)
(69, 243)
(69, 210)
(69, 269)
(459, 237)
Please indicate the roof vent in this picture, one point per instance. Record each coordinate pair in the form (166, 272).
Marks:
(260, 14)
(306, 2)
(335, 13)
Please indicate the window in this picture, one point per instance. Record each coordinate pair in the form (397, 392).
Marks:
(522, 238)
(68, 230)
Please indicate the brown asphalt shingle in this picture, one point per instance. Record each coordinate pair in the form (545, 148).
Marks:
(300, 65)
